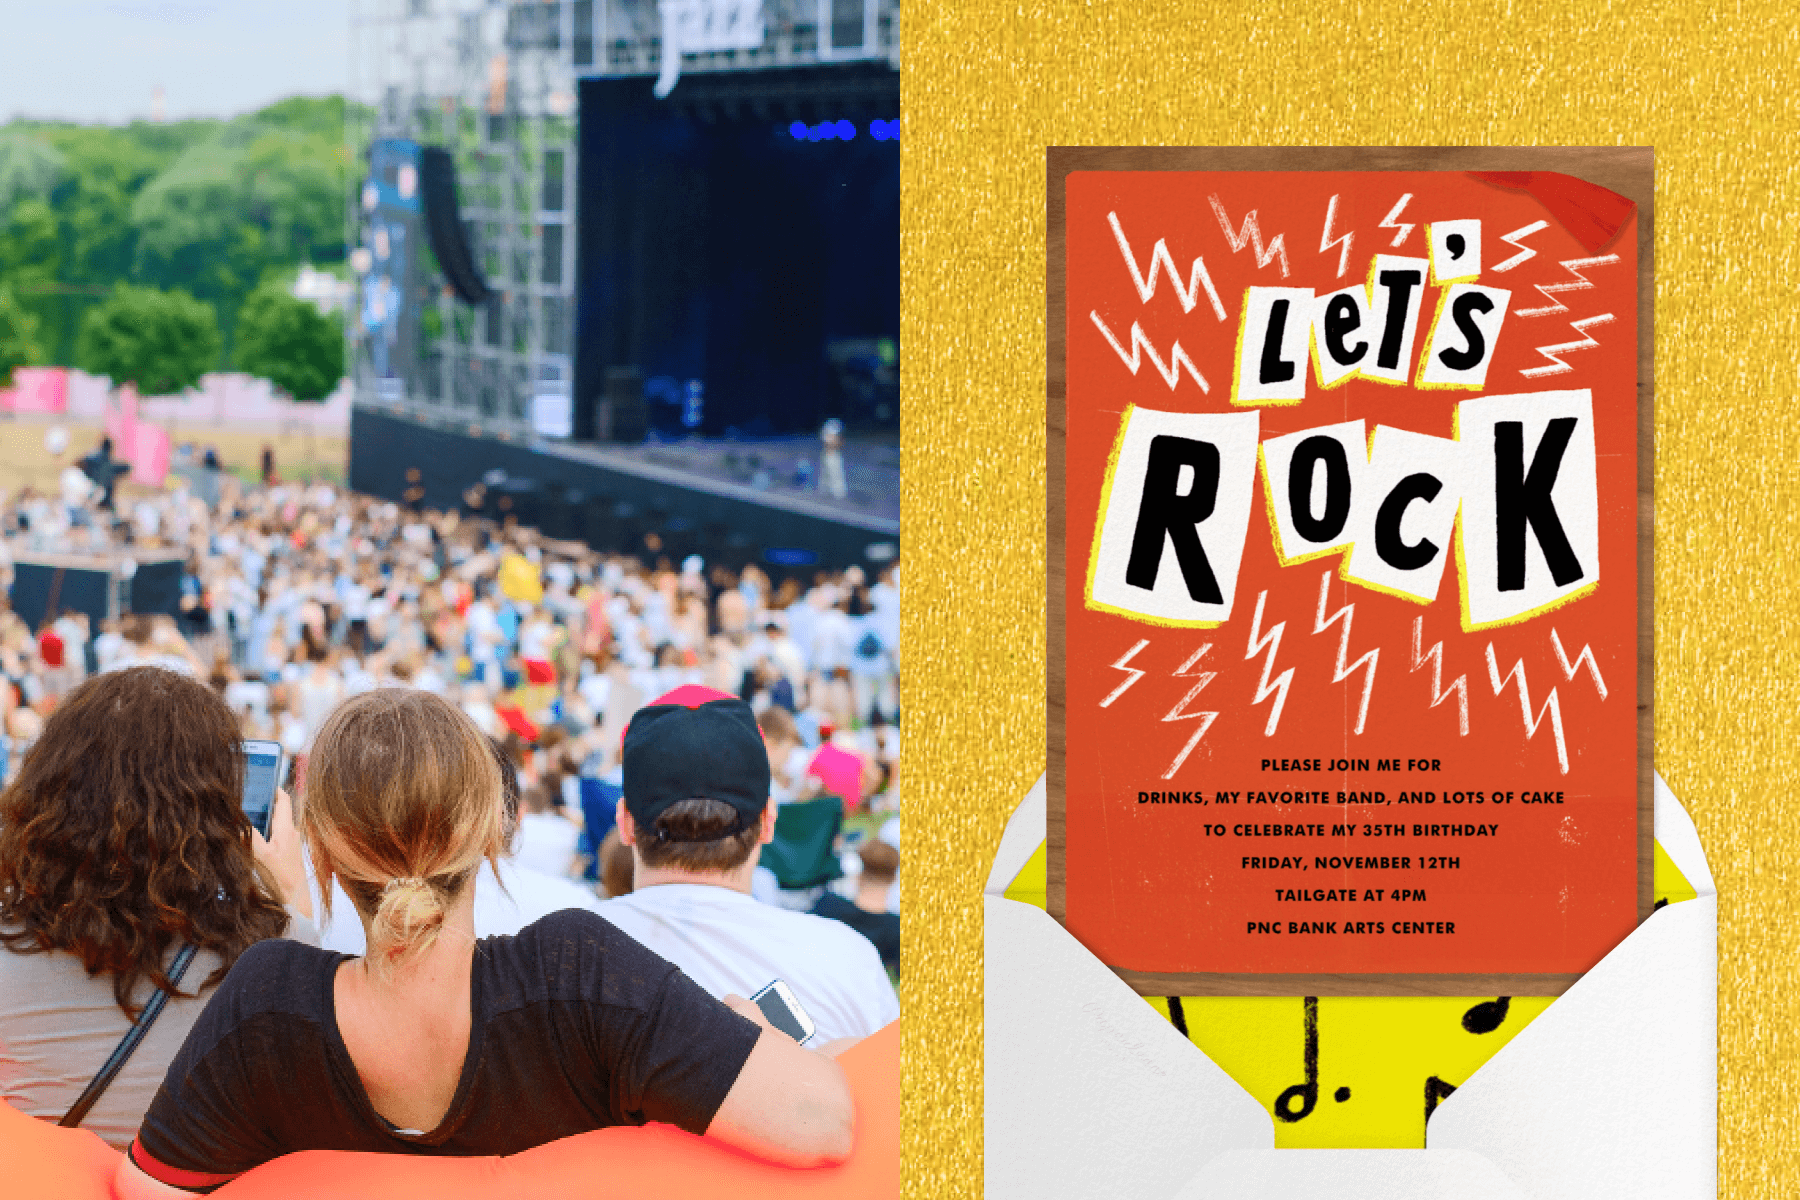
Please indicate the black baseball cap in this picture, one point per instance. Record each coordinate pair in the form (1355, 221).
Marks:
(695, 742)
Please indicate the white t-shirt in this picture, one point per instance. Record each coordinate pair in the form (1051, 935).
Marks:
(534, 641)
(320, 692)
(726, 941)
(833, 640)
(547, 843)
(248, 694)
(109, 647)
(528, 895)
(76, 487)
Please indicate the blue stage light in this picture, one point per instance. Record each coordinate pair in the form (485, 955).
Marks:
(878, 130)
(846, 130)
(798, 129)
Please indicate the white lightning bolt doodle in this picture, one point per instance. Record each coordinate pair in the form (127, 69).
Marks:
(1575, 267)
(1531, 723)
(1326, 241)
(1178, 357)
(1440, 693)
(1187, 670)
(1132, 673)
(1264, 689)
(1251, 235)
(1560, 367)
(1160, 259)
(1524, 252)
(1586, 656)
(1392, 220)
(1347, 615)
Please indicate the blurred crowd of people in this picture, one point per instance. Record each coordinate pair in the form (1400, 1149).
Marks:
(295, 597)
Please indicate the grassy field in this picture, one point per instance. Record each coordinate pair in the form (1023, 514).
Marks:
(24, 462)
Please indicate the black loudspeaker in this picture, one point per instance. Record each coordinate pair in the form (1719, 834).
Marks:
(519, 498)
(41, 587)
(565, 513)
(156, 588)
(444, 226)
(622, 415)
(47, 584)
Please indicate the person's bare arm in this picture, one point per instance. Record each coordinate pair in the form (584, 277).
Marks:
(789, 1105)
(280, 852)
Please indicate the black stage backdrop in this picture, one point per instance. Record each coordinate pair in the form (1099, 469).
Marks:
(714, 245)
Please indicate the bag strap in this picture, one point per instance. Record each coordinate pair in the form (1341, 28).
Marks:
(116, 1062)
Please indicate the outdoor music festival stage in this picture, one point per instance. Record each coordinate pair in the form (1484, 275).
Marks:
(715, 274)
(730, 501)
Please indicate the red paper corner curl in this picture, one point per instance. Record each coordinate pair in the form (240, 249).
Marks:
(1593, 215)
(657, 1161)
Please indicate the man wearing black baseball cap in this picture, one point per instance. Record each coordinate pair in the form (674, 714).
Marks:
(696, 814)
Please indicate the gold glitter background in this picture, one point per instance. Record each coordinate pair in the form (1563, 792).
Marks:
(987, 86)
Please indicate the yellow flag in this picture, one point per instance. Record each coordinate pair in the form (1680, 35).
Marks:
(519, 579)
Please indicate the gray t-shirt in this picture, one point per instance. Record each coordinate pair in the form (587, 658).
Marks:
(58, 1024)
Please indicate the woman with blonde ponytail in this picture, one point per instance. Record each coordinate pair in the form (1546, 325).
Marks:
(436, 1043)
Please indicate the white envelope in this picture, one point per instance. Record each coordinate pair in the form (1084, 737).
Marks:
(1611, 1091)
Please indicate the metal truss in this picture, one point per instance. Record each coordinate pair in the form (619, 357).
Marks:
(496, 83)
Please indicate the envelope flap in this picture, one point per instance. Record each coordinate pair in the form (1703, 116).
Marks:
(1025, 832)
(1613, 1089)
(1349, 1175)
(1090, 1091)
(1676, 834)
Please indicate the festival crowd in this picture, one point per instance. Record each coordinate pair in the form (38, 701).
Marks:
(611, 693)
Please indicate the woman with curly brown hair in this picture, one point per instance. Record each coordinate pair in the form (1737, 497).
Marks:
(123, 841)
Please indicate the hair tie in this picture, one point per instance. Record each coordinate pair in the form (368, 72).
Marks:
(405, 881)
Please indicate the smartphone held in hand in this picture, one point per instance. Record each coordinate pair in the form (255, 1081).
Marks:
(783, 1010)
(262, 778)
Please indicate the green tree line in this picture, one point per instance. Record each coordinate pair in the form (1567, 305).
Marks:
(164, 250)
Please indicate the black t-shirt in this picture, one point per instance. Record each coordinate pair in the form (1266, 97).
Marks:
(883, 929)
(574, 1026)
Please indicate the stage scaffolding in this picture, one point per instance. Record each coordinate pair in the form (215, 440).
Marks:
(496, 84)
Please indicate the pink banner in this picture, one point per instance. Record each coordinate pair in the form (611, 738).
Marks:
(36, 390)
(121, 420)
(149, 455)
(143, 445)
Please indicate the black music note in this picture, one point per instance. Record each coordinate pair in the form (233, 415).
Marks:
(1486, 1016)
(1435, 1091)
(1308, 1092)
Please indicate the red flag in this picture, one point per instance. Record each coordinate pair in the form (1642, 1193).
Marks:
(517, 721)
(539, 671)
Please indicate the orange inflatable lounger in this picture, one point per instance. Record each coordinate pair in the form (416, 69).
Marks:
(657, 1161)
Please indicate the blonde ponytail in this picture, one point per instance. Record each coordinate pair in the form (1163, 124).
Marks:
(402, 804)
(406, 920)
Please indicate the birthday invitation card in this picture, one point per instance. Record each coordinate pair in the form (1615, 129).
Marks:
(1348, 584)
